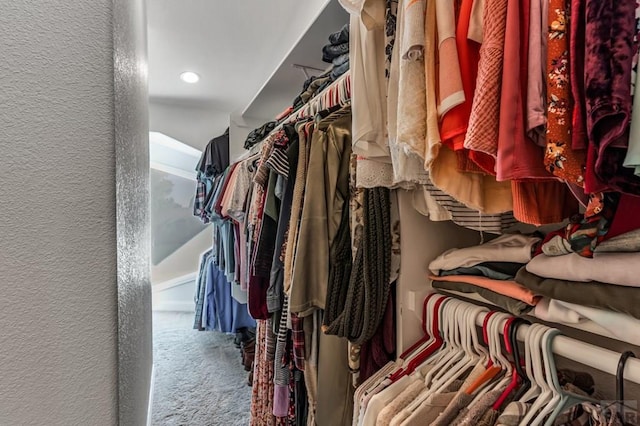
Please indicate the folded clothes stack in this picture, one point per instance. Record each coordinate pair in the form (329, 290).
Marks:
(522, 273)
(567, 288)
(488, 270)
(337, 52)
(603, 288)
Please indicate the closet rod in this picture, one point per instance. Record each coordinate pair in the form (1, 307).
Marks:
(584, 353)
(294, 116)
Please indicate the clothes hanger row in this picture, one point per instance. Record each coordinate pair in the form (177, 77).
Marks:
(337, 93)
(451, 348)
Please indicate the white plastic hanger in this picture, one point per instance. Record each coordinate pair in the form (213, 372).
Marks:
(469, 357)
(550, 371)
(546, 392)
(456, 350)
(562, 399)
(477, 346)
(429, 314)
(529, 344)
(494, 326)
(449, 352)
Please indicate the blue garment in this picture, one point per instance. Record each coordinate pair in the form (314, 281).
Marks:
(221, 311)
(201, 284)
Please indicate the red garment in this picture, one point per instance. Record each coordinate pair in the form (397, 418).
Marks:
(518, 156)
(562, 232)
(538, 198)
(626, 218)
(297, 336)
(560, 158)
(378, 351)
(453, 125)
(542, 202)
(257, 297)
(484, 122)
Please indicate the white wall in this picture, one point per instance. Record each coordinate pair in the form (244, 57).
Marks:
(176, 297)
(58, 264)
(239, 129)
(184, 260)
(421, 241)
(191, 124)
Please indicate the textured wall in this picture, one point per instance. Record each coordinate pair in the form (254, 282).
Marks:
(58, 297)
(133, 222)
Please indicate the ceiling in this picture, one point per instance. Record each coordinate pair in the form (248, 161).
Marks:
(237, 47)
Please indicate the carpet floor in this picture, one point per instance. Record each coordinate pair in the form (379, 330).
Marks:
(199, 379)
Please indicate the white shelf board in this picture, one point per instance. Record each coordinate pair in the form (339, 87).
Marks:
(286, 82)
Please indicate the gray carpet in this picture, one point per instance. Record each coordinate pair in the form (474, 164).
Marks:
(199, 380)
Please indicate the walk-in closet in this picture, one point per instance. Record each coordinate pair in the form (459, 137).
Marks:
(441, 228)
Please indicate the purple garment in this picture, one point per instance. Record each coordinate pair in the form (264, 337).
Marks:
(224, 313)
(609, 50)
(579, 139)
(281, 400)
(236, 251)
(380, 349)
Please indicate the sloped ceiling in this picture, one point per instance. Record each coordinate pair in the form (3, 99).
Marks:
(235, 46)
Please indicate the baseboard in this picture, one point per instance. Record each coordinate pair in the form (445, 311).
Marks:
(151, 392)
(174, 306)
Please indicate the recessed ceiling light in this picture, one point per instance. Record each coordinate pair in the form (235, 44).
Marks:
(189, 77)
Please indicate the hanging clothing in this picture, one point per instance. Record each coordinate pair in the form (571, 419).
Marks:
(262, 389)
(560, 158)
(325, 196)
(484, 122)
(454, 121)
(411, 109)
(215, 157)
(610, 48)
(221, 312)
(536, 80)
(276, 281)
(408, 166)
(201, 288)
(368, 85)
(437, 205)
